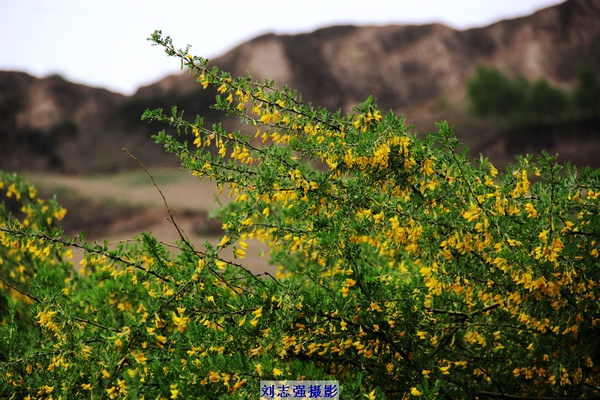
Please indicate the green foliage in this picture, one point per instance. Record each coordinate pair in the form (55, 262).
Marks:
(586, 95)
(493, 94)
(546, 101)
(407, 269)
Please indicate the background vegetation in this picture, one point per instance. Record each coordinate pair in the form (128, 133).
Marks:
(493, 94)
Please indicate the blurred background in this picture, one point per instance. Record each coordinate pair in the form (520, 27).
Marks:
(512, 77)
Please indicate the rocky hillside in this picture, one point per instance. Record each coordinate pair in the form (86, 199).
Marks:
(419, 71)
(54, 125)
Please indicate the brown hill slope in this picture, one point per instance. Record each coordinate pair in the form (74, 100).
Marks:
(414, 70)
(55, 125)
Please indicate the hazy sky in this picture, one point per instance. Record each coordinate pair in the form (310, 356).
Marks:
(103, 42)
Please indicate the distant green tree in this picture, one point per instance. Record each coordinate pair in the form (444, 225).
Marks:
(545, 100)
(492, 93)
(586, 96)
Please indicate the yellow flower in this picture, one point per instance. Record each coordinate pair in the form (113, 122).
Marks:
(238, 384)
(414, 391)
(531, 211)
(240, 253)
(223, 241)
(221, 264)
(112, 392)
(248, 221)
(203, 81)
(140, 358)
(370, 396)
(378, 217)
(427, 167)
(45, 317)
(180, 322)
(444, 370)
(160, 341)
(174, 392)
(214, 377)
(277, 372)
(266, 117)
(472, 214)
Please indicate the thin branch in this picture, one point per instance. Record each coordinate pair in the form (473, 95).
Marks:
(266, 273)
(180, 231)
(107, 328)
(19, 290)
(89, 249)
(461, 314)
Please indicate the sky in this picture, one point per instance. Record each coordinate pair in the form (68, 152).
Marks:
(103, 43)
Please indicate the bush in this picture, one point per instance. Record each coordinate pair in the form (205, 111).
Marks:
(586, 95)
(407, 269)
(547, 101)
(493, 94)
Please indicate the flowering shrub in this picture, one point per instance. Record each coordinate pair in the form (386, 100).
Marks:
(406, 268)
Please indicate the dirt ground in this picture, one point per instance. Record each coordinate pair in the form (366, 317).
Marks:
(121, 206)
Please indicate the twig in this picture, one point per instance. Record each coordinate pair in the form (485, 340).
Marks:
(171, 219)
(19, 290)
(71, 243)
(462, 315)
(86, 321)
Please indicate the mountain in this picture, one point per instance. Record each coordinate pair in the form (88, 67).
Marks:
(420, 71)
(54, 125)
